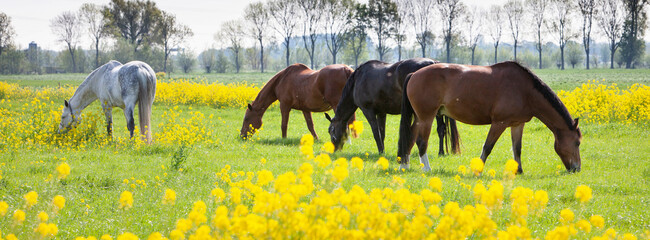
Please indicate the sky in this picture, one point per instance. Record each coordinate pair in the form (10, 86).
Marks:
(31, 18)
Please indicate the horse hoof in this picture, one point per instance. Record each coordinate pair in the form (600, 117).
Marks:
(404, 166)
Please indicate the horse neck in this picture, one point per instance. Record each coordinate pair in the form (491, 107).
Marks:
(85, 94)
(267, 95)
(545, 112)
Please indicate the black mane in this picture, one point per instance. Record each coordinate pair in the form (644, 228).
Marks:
(549, 95)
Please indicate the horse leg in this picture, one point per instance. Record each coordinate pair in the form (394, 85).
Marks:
(130, 122)
(441, 128)
(372, 120)
(423, 143)
(516, 132)
(310, 123)
(496, 129)
(381, 121)
(285, 109)
(108, 112)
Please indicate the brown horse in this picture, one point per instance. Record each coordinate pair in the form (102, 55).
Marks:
(502, 95)
(298, 87)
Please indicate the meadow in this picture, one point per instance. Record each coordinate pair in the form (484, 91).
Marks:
(200, 180)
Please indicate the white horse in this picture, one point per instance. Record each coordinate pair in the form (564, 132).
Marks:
(115, 85)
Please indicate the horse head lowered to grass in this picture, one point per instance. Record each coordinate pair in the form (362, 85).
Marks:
(503, 95)
(376, 88)
(115, 85)
(301, 88)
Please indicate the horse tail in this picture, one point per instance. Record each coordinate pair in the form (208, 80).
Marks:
(451, 135)
(146, 97)
(405, 134)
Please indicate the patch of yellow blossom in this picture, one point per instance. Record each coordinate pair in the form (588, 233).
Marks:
(63, 170)
(511, 169)
(307, 146)
(126, 200)
(3, 208)
(476, 165)
(382, 163)
(599, 103)
(357, 128)
(19, 216)
(583, 193)
(183, 91)
(328, 147)
(59, 202)
(31, 198)
(169, 198)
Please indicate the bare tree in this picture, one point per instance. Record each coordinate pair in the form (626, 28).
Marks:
(311, 18)
(171, 34)
(96, 25)
(514, 10)
(233, 33)
(403, 9)
(66, 28)
(610, 17)
(473, 33)
(561, 24)
(496, 29)
(283, 12)
(337, 14)
(538, 9)
(258, 16)
(420, 16)
(208, 59)
(450, 11)
(587, 9)
(7, 32)
(382, 15)
(357, 35)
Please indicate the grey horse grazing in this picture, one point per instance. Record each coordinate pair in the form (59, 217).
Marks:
(115, 85)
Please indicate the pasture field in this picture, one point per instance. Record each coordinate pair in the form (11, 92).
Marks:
(197, 149)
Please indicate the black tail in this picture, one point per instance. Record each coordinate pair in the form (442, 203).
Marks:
(450, 134)
(405, 134)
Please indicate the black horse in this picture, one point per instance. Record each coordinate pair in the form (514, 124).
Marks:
(376, 88)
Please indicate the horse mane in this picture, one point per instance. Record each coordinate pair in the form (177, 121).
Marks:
(100, 70)
(548, 94)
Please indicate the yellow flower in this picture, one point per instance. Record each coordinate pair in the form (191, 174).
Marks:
(584, 225)
(264, 177)
(382, 163)
(127, 236)
(59, 202)
(492, 173)
(583, 193)
(19, 216)
(357, 163)
(106, 237)
(323, 160)
(47, 230)
(126, 201)
(263, 161)
(462, 170)
(11, 237)
(169, 197)
(176, 235)
(598, 221)
(307, 140)
(3, 208)
(435, 183)
(328, 147)
(42, 216)
(511, 167)
(476, 164)
(340, 173)
(218, 194)
(31, 198)
(156, 236)
(629, 236)
(566, 216)
(63, 170)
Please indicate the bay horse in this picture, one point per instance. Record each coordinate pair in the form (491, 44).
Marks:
(301, 88)
(376, 88)
(503, 95)
(115, 85)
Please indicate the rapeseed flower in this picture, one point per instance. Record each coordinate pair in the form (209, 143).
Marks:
(31, 198)
(328, 147)
(126, 200)
(382, 163)
(63, 170)
(106, 237)
(156, 236)
(218, 194)
(264, 177)
(597, 221)
(476, 164)
(566, 216)
(583, 193)
(511, 168)
(435, 183)
(47, 230)
(323, 160)
(3, 208)
(19, 216)
(42, 216)
(584, 225)
(59, 202)
(357, 163)
(357, 128)
(169, 198)
(127, 236)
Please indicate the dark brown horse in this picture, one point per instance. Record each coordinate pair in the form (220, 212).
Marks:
(502, 95)
(375, 87)
(297, 87)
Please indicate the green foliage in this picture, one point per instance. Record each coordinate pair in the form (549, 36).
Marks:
(179, 157)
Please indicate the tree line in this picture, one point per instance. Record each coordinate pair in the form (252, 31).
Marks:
(323, 31)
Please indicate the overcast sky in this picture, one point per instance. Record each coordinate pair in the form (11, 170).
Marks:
(31, 18)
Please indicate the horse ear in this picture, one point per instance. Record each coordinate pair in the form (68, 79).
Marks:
(575, 122)
(250, 107)
(65, 102)
(328, 117)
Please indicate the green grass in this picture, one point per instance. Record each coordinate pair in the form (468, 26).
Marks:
(614, 164)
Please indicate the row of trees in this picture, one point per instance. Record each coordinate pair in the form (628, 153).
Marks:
(139, 30)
